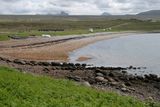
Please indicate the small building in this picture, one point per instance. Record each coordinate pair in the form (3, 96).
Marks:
(110, 28)
(91, 30)
(46, 35)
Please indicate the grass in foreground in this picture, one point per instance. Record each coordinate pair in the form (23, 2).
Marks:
(25, 90)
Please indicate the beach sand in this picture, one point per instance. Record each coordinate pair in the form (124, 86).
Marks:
(53, 51)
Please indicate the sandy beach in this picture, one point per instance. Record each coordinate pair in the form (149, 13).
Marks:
(55, 48)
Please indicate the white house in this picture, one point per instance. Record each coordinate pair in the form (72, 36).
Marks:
(45, 35)
(91, 30)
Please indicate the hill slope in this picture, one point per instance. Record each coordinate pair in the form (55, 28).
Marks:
(25, 90)
(106, 14)
(151, 13)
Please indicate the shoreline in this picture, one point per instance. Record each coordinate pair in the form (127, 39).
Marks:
(56, 51)
(104, 78)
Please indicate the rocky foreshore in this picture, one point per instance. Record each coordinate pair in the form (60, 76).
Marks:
(105, 78)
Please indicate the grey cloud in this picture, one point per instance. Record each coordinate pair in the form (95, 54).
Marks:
(77, 6)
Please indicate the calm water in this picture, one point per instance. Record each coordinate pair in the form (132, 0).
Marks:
(140, 50)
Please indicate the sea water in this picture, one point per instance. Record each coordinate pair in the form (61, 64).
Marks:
(138, 50)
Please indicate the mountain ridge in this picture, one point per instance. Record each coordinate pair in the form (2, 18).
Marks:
(150, 12)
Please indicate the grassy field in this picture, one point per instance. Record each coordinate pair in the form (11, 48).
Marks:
(26, 26)
(25, 90)
(29, 28)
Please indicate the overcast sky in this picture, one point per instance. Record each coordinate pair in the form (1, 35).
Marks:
(77, 7)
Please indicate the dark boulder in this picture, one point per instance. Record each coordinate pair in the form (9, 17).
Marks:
(44, 63)
(110, 79)
(77, 65)
(99, 74)
(153, 76)
(139, 78)
(128, 84)
(102, 71)
(130, 67)
(33, 63)
(84, 65)
(157, 86)
(46, 70)
(124, 90)
(124, 72)
(114, 83)
(55, 64)
(65, 64)
(111, 74)
(99, 79)
(17, 61)
(71, 65)
(3, 59)
(75, 78)
(8, 60)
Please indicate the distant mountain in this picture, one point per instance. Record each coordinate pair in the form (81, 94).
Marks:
(150, 13)
(106, 14)
(63, 13)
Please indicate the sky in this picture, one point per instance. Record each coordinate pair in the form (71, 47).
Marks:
(77, 7)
